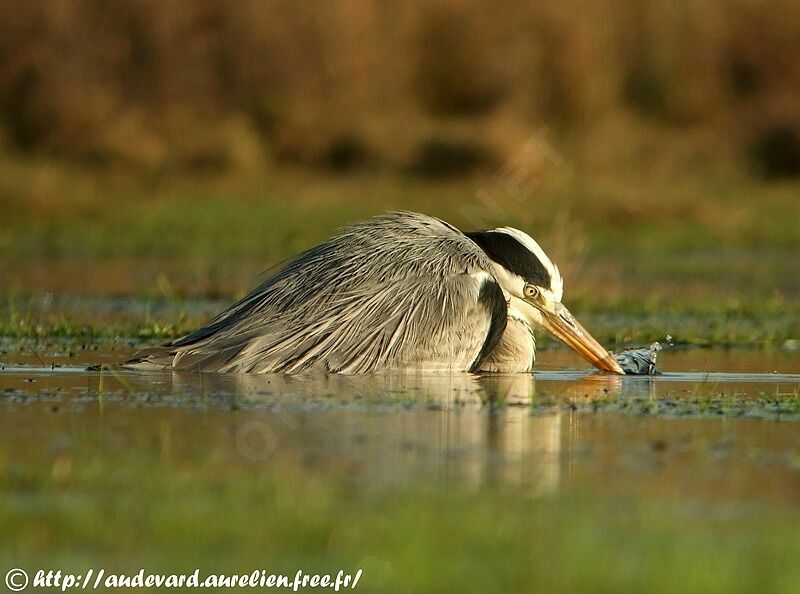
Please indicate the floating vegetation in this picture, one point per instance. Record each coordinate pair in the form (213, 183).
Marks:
(783, 407)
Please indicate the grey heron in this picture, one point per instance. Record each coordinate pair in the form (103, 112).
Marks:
(398, 291)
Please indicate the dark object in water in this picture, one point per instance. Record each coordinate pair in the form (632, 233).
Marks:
(641, 361)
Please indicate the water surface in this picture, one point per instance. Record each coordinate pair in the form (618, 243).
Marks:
(731, 433)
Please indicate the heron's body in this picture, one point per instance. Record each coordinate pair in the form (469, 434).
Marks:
(399, 291)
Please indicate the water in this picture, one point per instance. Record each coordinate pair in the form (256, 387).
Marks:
(729, 434)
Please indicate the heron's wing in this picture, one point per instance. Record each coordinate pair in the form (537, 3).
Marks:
(401, 290)
(400, 325)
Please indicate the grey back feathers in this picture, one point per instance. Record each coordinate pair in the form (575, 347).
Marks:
(402, 290)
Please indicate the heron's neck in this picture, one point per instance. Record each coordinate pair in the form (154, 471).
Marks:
(516, 350)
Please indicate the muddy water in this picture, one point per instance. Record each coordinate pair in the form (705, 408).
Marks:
(716, 425)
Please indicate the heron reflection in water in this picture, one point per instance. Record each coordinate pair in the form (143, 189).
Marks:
(443, 434)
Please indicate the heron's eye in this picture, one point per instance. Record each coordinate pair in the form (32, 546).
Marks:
(531, 292)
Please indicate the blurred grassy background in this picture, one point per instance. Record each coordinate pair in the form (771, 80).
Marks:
(653, 148)
(207, 86)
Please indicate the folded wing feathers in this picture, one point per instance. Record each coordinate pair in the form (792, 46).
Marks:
(387, 292)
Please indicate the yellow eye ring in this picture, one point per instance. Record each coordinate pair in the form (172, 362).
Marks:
(531, 291)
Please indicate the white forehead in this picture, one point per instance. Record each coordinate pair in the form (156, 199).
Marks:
(556, 282)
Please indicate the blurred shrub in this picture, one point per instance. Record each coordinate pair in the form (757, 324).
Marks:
(440, 157)
(776, 150)
(212, 84)
(347, 153)
(454, 75)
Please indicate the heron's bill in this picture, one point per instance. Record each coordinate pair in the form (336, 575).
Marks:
(567, 329)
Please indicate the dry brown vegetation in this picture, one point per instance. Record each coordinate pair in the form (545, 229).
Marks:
(428, 87)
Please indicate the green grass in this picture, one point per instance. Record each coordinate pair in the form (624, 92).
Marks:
(612, 239)
(708, 261)
(55, 210)
(85, 508)
(617, 324)
(60, 326)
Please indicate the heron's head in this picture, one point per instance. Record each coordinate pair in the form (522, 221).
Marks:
(534, 288)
